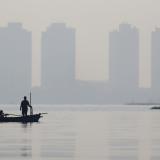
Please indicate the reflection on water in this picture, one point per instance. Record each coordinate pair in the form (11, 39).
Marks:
(53, 138)
(123, 137)
(13, 142)
(58, 138)
(108, 135)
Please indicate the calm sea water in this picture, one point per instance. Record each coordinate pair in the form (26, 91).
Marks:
(83, 133)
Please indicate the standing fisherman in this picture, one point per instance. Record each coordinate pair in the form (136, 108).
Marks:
(1, 113)
(24, 106)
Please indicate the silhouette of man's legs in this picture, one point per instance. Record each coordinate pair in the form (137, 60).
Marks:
(24, 112)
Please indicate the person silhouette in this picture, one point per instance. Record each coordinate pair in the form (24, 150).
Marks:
(1, 113)
(24, 106)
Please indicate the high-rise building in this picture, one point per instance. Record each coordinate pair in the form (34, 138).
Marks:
(124, 58)
(58, 55)
(155, 43)
(15, 62)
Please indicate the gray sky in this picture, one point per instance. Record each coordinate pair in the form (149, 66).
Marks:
(93, 19)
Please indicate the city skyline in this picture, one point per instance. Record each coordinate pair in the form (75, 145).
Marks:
(59, 64)
(76, 49)
(107, 68)
(93, 21)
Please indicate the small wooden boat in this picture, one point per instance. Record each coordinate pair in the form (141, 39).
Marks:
(19, 118)
(155, 107)
(22, 119)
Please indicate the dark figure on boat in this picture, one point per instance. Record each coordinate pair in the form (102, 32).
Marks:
(24, 106)
(1, 113)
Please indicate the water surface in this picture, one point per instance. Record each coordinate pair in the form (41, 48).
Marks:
(84, 133)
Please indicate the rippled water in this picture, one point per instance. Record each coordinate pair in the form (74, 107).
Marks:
(94, 133)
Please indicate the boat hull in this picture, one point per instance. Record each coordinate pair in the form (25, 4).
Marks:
(23, 119)
(156, 107)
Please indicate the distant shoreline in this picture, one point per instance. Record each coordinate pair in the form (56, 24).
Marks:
(143, 104)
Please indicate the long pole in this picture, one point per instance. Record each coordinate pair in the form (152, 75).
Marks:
(30, 98)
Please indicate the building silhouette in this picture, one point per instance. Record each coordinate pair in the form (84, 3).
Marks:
(15, 62)
(155, 61)
(58, 56)
(124, 60)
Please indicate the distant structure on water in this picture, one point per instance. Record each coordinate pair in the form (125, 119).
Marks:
(15, 62)
(58, 56)
(155, 63)
(124, 61)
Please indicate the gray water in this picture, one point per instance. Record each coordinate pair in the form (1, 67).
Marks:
(84, 133)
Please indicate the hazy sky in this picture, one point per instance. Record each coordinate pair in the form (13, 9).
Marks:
(93, 19)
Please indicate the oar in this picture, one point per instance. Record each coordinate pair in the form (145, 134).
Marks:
(11, 114)
(43, 113)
